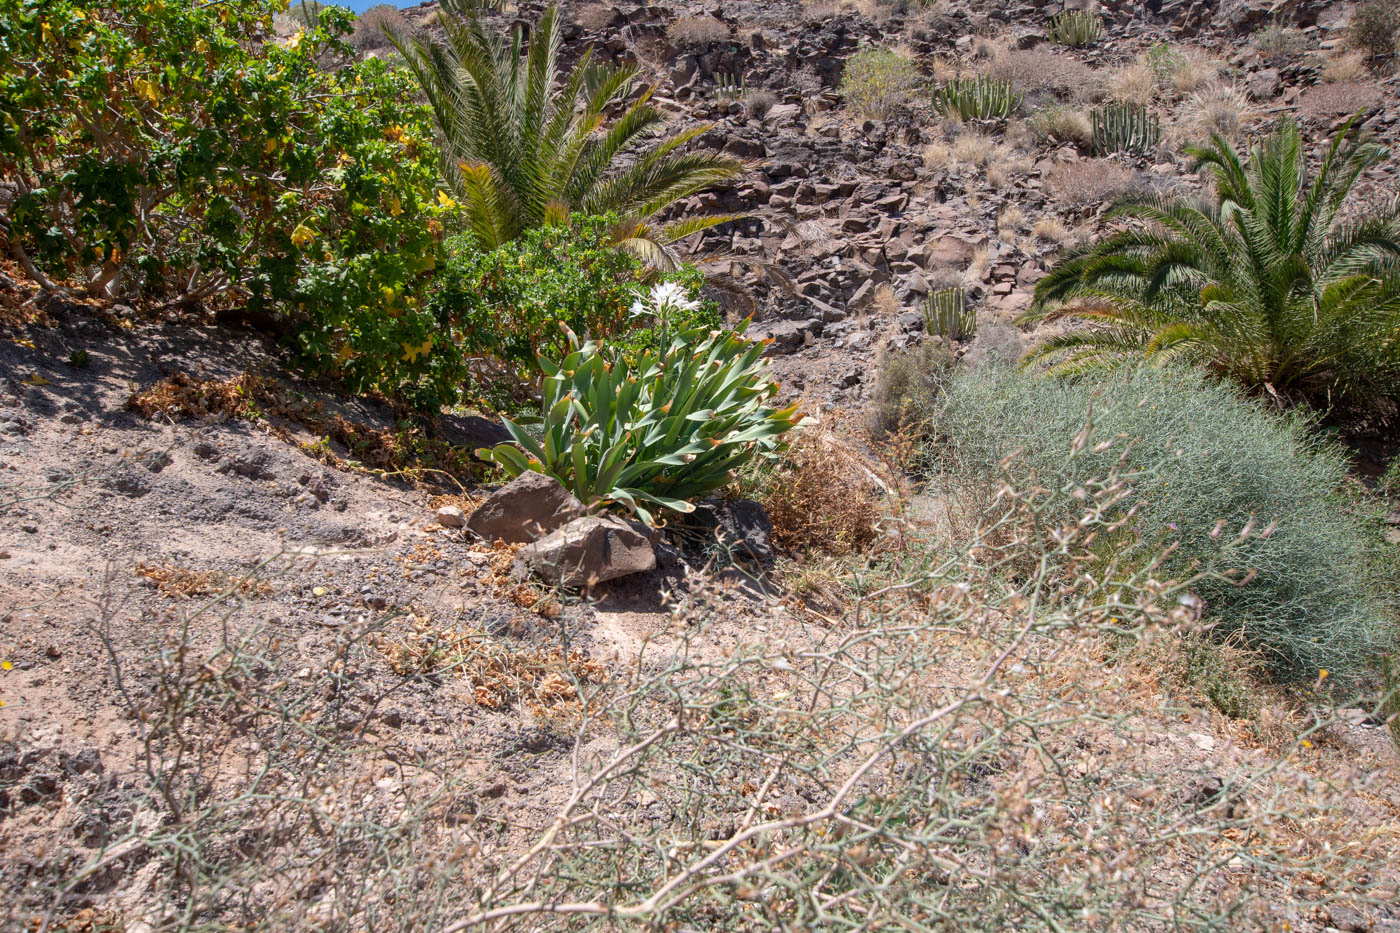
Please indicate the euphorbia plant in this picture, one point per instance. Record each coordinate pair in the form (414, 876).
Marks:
(669, 429)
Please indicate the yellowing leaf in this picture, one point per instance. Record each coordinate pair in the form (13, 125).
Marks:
(35, 380)
(6, 666)
(302, 235)
(412, 353)
(446, 201)
(395, 205)
(147, 89)
(271, 146)
(46, 32)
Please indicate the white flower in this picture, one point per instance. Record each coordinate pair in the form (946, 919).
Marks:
(671, 295)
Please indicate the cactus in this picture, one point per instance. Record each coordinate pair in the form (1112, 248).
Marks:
(730, 87)
(946, 314)
(1125, 127)
(1075, 28)
(979, 98)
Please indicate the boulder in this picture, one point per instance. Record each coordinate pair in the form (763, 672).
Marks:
(529, 506)
(588, 550)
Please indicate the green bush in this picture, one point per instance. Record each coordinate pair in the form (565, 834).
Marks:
(507, 304)
(1206, 455)
(170, 151)
(669, 429)
(876, 81)
(1372, 28)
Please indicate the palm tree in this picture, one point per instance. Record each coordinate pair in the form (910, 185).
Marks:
(523, 146)
(1266, 285)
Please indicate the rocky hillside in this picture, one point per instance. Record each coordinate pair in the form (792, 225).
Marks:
(852, 220)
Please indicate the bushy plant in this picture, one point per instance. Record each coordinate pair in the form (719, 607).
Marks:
(169, 150)
(907, 388)
(980, 98)
(1372, 29)
(1265, 286)
(876, 81)
(525, 144)
(507, 303)
(1247, 497)
(1075, 28)
(375, 25)
(655, 434)
(1278, 44)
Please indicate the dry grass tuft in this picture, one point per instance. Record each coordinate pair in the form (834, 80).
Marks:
(1136, 83)
(698, 30)
(1091, 182)
(543, 680)
(172, 582)
(1060, 124)
(1050, 229)
(1218, 108)
(1346, 68)
(1191, 69)
(821, 497)
(1011, 221)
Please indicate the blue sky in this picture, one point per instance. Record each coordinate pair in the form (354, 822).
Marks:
(359, 6)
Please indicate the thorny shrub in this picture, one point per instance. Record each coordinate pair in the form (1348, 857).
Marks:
(374, 26)
(907, 388)
(1043, 74)
(958, 751)
(698, 30)
(1090, 183)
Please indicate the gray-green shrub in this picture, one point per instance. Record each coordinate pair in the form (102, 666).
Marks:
(1206, 455)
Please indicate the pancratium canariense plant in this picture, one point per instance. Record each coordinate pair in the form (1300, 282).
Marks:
(662, 432)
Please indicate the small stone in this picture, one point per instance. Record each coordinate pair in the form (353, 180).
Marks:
(1204, 742)
(449, 516)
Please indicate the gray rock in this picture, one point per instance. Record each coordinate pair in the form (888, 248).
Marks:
(588, 550)
(449, 516)
(529, 506)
